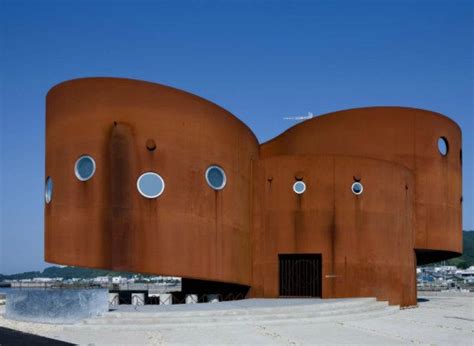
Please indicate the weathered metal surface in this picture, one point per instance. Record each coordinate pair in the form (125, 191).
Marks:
(410, 206)
(190, 230)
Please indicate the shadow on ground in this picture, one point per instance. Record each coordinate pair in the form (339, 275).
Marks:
(14, 337)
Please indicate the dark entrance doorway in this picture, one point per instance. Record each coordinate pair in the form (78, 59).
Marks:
(300, 275)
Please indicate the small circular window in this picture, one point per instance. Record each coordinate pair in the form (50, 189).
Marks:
(443, 146)
(299, 187)
(357, 188)
(84, 168)
(150, 185)
(215, 177)
(48, 190)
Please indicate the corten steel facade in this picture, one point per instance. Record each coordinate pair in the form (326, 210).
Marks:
(369, 244)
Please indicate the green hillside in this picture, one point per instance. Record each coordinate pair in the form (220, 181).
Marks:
(467, 259)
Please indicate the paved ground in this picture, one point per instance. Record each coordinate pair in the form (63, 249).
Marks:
(440, 319)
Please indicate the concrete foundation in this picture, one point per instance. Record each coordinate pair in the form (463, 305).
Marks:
(113, 298)
(166, 299)
(191, 298)
(138, 299)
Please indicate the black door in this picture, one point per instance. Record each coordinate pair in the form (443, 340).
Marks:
(300, 275)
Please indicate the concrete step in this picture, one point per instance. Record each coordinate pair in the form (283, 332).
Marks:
(243, 316)
(190, 323)
(375, 313)
(311, 306)
(253, 311)
(239, 315)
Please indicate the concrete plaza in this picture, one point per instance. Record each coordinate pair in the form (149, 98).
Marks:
(439, 319)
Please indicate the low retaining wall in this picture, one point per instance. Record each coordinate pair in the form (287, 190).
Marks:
(63, 306)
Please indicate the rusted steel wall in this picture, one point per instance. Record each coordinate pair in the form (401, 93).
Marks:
(410, 209)
(405, 136)
(366, 240)
(190, 230)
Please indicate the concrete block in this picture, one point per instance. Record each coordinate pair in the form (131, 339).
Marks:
(113, 298)
(166, 298)
(55, 305)
(191, 298)
(138, 299)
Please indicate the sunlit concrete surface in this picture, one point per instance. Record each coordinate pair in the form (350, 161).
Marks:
(439, 319)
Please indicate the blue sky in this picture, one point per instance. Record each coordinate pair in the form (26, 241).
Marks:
(262, 60)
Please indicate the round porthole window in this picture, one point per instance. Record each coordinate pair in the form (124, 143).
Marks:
(84, 168)
(357, 188)
(48, 190)
(443, 146)
(299, 187)
(215, 177)
(150, 185)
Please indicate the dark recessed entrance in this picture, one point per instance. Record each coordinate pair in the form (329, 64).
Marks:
(300, 275)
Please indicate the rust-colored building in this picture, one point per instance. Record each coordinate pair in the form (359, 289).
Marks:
(146, 178)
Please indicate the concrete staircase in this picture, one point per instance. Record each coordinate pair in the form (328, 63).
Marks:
(273, 313)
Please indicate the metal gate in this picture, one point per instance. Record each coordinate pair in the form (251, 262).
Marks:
(300, 275)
